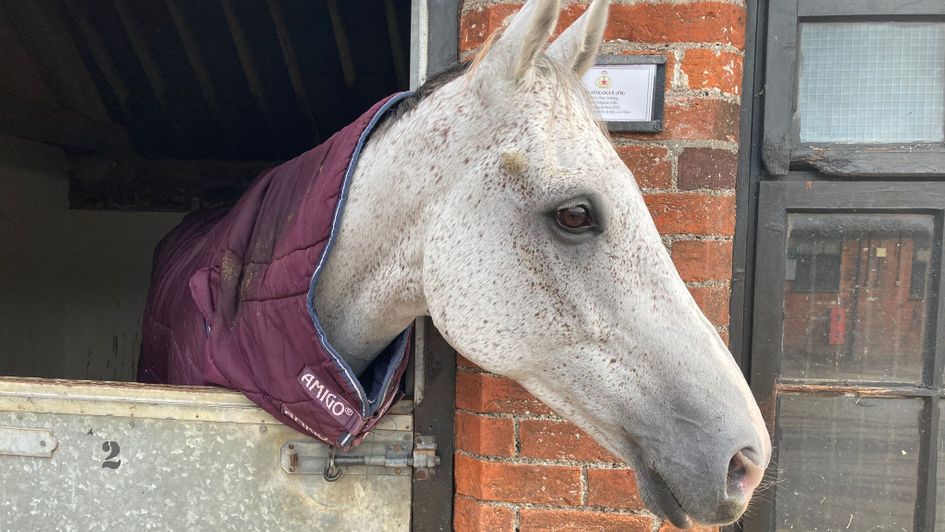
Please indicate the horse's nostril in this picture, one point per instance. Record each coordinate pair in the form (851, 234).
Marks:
(744, 474)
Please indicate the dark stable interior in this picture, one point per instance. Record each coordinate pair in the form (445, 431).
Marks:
(118, 116)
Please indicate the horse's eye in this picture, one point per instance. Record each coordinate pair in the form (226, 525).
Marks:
(575, 218)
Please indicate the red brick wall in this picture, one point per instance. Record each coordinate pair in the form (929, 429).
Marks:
(518, 465)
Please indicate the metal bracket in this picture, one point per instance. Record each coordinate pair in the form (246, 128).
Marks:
(35, 443)
(398, 457)
(425, 459)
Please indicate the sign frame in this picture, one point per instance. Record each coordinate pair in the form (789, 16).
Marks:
(659, 88)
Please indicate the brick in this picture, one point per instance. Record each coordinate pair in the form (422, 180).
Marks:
(650, 165)
(581, 521)
(703, 260)
(484, 435)
(710, 22)
(670, 63)
(477, 25)
(487, 393)
(668, 527)
(472, 515)
(692, 213)
(701, 119)
(707, 168)
(713, 69)
(559, 440)
(695, 119)
(613, 488)
(713, 300)
(509, 482)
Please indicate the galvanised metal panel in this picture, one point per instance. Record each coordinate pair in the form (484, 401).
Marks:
(128, 456)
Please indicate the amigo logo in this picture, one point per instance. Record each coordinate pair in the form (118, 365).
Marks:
(293, 417)
(324, 396)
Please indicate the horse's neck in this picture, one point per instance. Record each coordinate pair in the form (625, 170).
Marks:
(370, 289)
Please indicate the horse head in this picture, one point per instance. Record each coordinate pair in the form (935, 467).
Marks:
(543, 264)
(524, 236)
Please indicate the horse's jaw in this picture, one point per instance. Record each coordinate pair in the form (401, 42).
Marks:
(673, 454)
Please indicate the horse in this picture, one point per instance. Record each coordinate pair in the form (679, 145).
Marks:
(492, 201)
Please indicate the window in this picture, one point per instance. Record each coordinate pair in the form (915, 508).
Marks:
(855, 88)
(843, 328)
(871, 82)
(852, 376)
(813, 265)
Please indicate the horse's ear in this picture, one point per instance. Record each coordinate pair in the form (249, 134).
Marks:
(517, 47)
(578, 45)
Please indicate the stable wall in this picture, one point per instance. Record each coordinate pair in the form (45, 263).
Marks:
(518, 465)
(72, 283)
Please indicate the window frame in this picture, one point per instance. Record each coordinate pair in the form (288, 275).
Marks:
(781, 149)
(777, 200)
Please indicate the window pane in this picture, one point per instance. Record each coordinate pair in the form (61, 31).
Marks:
(847, 463)
(940, 491)
(856, 296)
(871, 82)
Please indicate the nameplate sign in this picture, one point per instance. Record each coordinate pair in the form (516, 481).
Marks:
(628, 91)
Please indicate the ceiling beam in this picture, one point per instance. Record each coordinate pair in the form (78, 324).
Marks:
(199, 66)
(341, 42)
(149, 64)
(101, 56)
(23, 118)
(249, 66)
(292, 64)
(396, 45)
(42, 30)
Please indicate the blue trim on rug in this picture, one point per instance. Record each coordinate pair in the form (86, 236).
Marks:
(368, 406)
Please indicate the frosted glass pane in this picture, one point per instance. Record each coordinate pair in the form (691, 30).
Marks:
(940, 507)
(847, 464)
(872, 82)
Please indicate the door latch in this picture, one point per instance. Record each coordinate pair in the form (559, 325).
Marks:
(36, 443)
(394, 458)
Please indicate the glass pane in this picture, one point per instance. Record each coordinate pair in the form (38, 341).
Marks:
(940, 492)
(847, 463)
(872, 82)
(856, 296)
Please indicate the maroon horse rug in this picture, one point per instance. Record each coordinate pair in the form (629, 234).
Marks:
(232, 299)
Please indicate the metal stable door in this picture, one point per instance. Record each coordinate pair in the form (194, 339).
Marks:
(81, 455)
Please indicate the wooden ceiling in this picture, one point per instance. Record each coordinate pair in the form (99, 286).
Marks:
(233, 80)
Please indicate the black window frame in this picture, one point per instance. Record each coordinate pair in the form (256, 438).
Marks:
(782, 150)
(777, 200)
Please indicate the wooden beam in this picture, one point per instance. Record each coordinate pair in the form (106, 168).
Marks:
(247, 62)
(149, 64)
(132, 184)
(44, 34)
(54, 125)
(199, 66)
(292, 64)
(396, 45)
(341, 42)
(101, 56)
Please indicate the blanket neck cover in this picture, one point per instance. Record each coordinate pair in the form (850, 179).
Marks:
(232, 299)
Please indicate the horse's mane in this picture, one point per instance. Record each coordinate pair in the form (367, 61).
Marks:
(563, 76)
(429, 87)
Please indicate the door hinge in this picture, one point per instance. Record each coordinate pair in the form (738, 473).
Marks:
(388, 458)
